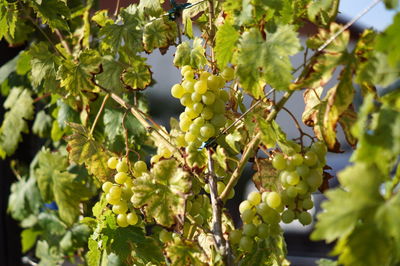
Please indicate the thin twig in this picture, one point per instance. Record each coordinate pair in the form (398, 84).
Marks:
(116, 8)
(62, 40)
(41, 97)
(99, 113)
(301, 132)
(126, 135)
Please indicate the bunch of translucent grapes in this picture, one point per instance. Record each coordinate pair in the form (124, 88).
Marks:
(118, 194)
(204, 99)
(300, 175)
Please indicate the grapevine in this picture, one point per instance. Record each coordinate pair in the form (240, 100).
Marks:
(113, 185)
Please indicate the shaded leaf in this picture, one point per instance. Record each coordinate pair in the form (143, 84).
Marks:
(226, 39)
(55, 13)
(187, 253)
(159, 33)
(193, 56)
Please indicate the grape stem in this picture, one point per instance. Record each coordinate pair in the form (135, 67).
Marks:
(99, 113)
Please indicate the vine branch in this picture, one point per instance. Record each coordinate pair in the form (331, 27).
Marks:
(103, 104)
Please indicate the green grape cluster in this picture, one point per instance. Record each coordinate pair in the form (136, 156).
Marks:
(300, 175)
(118, 194)
(204, 100)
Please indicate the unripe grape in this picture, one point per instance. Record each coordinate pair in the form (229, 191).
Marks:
(231, 194)
(314, 180)
(200, 87)
(254, 198)
(188, 75)
(122, 166)
(303, 170)
(297, 159)
(291, 192)
(204, 75)
(302, 188)
(208, 98)
(196, 207)
(120, 178)
(196, 97)
(307, 204)
(112, 200)
(279, 161)
(115, 192)
(287, 216)
(112, 162)
(199, 121)
(191, 113)
(235, 236)
(140, 166)
(177, 91)
(198, 107)
(213, 82)
(106, 186)
(221, 82)
(319, 148)
(184, 124)
(246, 243)
(249, 230)
(188, 86)
(122, 221)
(120, 208)
(218, 120)
(310, 158)
(190, 137)
(273, 199)
(198, 219)
(245, 205)
(228, 73)
(262, 231)
(248, 215)
(132, 218)
(186, 100)
(263, 209)
(207, 131)
(305, 218)
(185, 68)
(207, 113)
(220, 187)
(165, 236)
(292, 178)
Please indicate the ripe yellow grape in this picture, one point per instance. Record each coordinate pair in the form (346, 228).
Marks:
(120, 178)
(177, 91)
(121, 220)
(112, 162)
(122, 166)
(106, 186)
(132, 218)
(200, 87)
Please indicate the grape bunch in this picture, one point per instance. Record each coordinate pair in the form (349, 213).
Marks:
(204, 100)
(118, 194)
(299, 175)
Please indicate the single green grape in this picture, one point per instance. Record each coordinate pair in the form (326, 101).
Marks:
(198, 219)
(218, 120)
(297, 159)
(200, 86)
(224, 95)
(208, 98)
(185, 69)
(213, 82)
(184, 124)
(120, 208)
(112, 200)
(188, 86)
(198, 107)
(218, 107)
(196, 97)
(228, 73)
(310, 158)
(122, 166)
(220, 187)
(263, 209)
(188, 75)
(273, 199)
(303, 170)
(106, 186)
(235, 236)
(245, 205)
(190, 137)
(291, 192)
(120, 178)
(140, 166)
(207, 113)
(249, 230)
(248, 215)
(305, 218)
(246, 243)
(319, 148)
(186, 100)
(254, 198)
(112, 162)
(307, 204)
(207, 131)
(314, 179)
(292, 178)
(165, 152)
(287, 216)
(122, 221)
(262, 230)
(177, 91)
(302, 188)
(279, 161)
(115, 192)
(204, 75)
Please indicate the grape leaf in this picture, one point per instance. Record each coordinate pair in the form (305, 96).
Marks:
(323, 11)
(55, 13)
(55, 183)
(159, 33)
(196, 158)
(110, 77)
(44, 65)
(7, 68)
(76, 76)
(233, 139)
(28, 238)
(151, 8)
(82, 148)
(101, 18)
(321, 67)
(124, 33)
(266, 176)
(226, 39)
(42, 124)
(24, 199)
(160, 192)
(391, 4)
(193, 56)
(8, 18)
(187, 253)
(23, 63)
(137, 76)
(387, 41)
(345, 208)
(52, 224)
(20, 105)
(48, 255)
(346, 121)
(248, 73)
